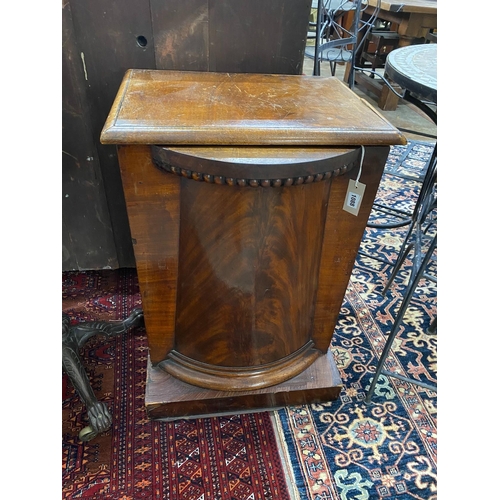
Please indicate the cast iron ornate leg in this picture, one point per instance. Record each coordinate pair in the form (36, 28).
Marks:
(73, 338)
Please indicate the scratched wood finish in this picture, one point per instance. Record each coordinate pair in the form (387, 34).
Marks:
(153, 213)
(196, 108)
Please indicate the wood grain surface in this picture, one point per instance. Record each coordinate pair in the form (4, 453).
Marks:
(196, 108)
(168, 398)
(153, 201)
(249, 265)
(235, 185)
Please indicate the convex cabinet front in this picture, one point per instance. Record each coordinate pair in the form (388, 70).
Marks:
(242, 245)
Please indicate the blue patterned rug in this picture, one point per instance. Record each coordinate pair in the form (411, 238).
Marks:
(348, 449)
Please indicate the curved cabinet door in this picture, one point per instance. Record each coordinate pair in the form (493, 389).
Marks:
(243, 255)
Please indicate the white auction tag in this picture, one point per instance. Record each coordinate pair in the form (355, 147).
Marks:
(354, 196)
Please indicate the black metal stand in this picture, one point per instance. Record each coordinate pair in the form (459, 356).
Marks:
(73, 338)
(407, 71)
(417, 231)
(390, 339)
(417, 91)
(424, 205)
(414, 241)
(407, 218)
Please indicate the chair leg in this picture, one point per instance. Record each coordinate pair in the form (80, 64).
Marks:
(401, 258)
(399, 318)
(423, 207)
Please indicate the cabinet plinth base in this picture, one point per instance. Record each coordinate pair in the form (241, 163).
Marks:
(168, 398)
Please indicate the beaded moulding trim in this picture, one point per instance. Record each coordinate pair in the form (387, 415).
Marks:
(233, 181)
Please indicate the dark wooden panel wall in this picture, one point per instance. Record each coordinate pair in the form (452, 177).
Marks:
(102, 39)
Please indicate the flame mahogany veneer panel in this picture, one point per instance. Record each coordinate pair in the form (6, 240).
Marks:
(242, 284)
(249, 266)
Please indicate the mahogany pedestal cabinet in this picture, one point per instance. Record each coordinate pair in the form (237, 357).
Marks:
(235, 186)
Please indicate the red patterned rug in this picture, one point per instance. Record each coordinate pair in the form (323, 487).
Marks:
(233, 457)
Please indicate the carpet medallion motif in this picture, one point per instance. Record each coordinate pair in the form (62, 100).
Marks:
(344, 449)
(348, 449)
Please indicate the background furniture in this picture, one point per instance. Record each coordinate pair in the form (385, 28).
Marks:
(372, 55)
(235, 187)
(412, 21)
(103, 39)
(336, 33)
(414, 68)
(341, 29)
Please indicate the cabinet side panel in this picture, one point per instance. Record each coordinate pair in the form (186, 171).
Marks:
(152, 199)
(343, 234)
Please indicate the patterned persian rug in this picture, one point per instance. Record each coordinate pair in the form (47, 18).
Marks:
(345, 449)
(232, 457)
(348, 449)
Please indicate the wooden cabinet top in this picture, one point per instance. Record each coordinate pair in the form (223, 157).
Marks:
(240, 109)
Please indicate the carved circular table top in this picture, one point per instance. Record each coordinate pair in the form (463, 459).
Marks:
(415, 69)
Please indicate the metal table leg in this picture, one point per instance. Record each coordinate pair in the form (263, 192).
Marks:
(399, 318)
(426, 203)
(73, 338)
